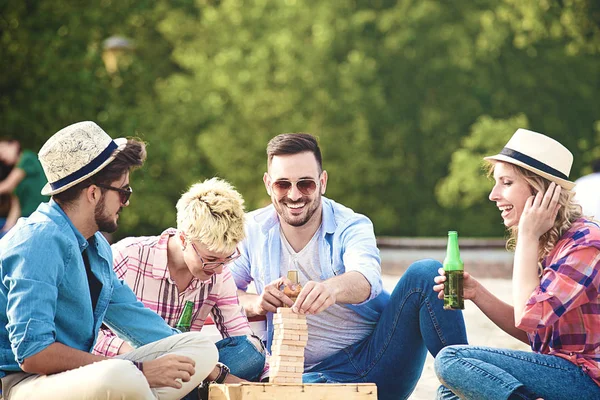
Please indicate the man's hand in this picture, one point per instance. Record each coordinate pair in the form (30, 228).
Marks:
(314, 298)
(272, 297)
(164, 371)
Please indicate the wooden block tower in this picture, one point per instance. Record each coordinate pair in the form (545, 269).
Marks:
(289, 340)
(287, 350)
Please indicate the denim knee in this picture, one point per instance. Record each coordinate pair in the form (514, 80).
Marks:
(421, 273)
(242, 356)
(444, 360)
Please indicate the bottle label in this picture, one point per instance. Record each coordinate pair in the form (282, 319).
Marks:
(453, 291)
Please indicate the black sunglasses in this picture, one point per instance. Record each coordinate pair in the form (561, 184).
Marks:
(124, 194)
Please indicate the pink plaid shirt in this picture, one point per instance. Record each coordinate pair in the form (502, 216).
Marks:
(142, 263)
(562, 316)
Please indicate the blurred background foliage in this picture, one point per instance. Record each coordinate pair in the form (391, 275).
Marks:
(405, 96)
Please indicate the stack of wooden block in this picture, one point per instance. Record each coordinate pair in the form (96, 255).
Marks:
(287, 350)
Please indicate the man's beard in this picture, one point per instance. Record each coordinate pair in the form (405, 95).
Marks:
(103, 221)
(294, 221)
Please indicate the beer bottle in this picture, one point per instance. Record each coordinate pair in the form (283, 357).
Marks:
(294, 291)
(185, 321)
(454, 268)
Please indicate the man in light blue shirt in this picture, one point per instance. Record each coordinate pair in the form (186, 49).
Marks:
(356, 331)
(58, 287)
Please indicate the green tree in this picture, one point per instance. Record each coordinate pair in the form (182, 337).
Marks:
(403, 95)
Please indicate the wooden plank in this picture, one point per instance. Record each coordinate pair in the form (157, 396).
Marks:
(293, 391)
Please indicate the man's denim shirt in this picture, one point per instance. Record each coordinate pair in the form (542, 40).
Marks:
(347, 243)
(45, 297)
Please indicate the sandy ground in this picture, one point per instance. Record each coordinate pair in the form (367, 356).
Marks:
(480, 331)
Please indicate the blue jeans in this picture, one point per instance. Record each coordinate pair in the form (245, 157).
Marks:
(412, 323)
(241, 356)
(473, 372)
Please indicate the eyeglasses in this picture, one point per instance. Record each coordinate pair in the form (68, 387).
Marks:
(305, 186)
(124, 194)
(212, 265)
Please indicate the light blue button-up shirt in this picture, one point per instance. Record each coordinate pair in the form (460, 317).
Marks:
(347, 243)
(45, 297)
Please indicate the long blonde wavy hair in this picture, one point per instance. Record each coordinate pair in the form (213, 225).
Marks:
(567, 213)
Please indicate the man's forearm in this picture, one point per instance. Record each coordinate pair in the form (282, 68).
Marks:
(58, 358)
(350, 288)
(248, 302)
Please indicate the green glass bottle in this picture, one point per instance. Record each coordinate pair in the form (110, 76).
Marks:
(454, 268)
(185, 321)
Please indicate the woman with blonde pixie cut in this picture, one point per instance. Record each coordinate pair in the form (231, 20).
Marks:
(556, 286)
(190, 264)
(211, 213)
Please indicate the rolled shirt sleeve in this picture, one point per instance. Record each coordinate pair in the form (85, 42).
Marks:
(567, 284)
(361, 253)
(108, 344)
(32, 292)
(131, 320)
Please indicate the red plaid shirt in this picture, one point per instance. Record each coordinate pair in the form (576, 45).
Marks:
(142, 263)
(562, 316)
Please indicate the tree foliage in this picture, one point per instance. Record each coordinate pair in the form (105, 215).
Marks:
(405, 96)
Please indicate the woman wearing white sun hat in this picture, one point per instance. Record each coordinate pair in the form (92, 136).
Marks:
(556, 280)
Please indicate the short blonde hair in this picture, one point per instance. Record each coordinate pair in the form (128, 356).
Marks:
(567, 213)
(212, 212)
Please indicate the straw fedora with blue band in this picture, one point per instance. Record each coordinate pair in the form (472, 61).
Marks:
(539, 154)
(75, 153)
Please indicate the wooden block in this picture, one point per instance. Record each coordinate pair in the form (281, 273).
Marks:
(296, 323)
(290, 328)
(288, 313)
(289, 334)
(293, 347)
(289, 342)
(292, 391)
(286, 360)
(286, 379)
(278, 351)
(280, 363)
(279, 372)
(293, 317)
(290, 368)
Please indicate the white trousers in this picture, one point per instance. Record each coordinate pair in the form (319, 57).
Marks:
(118, 378)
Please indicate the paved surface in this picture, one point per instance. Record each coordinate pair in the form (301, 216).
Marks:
(480, 331)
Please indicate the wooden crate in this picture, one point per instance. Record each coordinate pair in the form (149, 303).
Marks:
(292, 391)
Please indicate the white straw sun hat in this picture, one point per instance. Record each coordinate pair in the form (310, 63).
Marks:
(75, 153)
(540, 154)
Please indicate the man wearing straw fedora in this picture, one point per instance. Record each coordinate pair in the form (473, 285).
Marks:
(58, 287)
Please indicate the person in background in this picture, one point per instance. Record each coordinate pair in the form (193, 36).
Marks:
(26, 179)
(556, 281)
(59, 287)
(10, 210)
(587, 192)
(190, 264)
